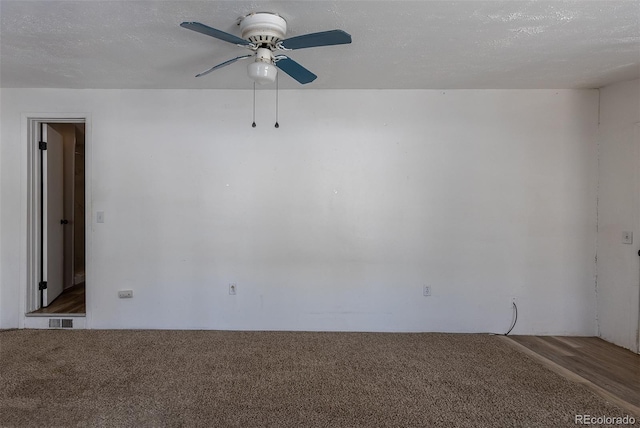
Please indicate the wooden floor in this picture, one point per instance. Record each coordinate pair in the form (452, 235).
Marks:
(614, 369)
(71, 301)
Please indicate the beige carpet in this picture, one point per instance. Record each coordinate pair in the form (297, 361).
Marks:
(279, 379)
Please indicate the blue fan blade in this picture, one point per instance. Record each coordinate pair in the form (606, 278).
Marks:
(223, 64)
(204, 29)
(325, 38)
(295, 70)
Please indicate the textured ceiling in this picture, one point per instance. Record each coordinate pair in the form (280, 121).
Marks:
(396, 44)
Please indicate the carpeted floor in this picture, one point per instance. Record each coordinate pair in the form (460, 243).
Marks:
(52, 378)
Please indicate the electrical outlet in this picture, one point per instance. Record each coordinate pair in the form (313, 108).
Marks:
(426, 290)
(125, 294)
(232, 289)
(514, 300)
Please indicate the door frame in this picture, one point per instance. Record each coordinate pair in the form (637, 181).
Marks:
(29, 298)
(636, 144)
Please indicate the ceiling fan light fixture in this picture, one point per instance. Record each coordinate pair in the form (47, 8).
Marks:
(264, 33)
(262, 72)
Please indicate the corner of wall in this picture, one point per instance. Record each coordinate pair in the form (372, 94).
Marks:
(618, 196)
(597, 321)
(1, 280)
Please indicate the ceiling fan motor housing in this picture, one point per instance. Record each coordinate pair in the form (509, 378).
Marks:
(263, 28)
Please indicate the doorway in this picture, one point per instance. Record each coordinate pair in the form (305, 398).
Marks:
(57, 218)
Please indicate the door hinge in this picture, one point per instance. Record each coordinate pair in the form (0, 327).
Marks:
(42, 145)
(42, 285)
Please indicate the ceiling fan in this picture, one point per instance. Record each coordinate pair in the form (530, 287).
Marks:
(264, 33)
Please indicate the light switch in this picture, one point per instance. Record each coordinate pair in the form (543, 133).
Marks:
(627, 237)
(100, 217)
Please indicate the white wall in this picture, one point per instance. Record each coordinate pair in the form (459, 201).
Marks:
(619, 210)
(337, 219)
(1, 215)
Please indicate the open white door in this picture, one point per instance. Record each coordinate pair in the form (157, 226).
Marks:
(53, 215)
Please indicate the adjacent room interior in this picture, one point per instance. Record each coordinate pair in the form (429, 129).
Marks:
(426, 173)
(65, 292)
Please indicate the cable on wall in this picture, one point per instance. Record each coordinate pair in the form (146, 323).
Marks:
(515, 319)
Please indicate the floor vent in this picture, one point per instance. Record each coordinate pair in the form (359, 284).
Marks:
(60, 323)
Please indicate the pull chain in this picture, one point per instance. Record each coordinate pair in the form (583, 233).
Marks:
(277, 125)
(253, 125)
